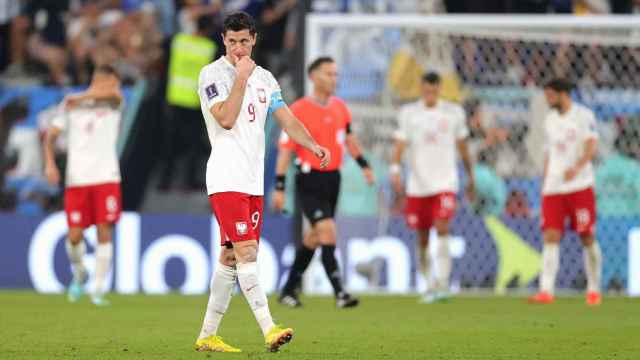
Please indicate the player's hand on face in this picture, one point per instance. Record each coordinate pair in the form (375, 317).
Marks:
(52, 174)
(278, 200)
(369, 176)
(396, 183)
(245, 66)
(570, 174)
(323, 154)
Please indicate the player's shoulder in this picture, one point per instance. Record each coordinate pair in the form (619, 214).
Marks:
(583, 112)
(263, 75)
(451, 107)
(411, 107)
(217, 69)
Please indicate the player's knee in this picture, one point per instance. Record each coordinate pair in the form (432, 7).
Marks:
(325, 231)
(228, 260)
(587, 239)
(105, 233)
(552, 236)
(442, 227)
(423, 237)
(246, 251)
(75, 235)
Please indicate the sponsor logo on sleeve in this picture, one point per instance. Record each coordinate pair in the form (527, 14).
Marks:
(212, 91)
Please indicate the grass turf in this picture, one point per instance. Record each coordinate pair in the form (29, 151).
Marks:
(164, 327)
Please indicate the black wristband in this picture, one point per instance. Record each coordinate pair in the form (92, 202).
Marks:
(280, 182)
(362, 162)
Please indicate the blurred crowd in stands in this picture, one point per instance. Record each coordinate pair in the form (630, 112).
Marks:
(60, 42)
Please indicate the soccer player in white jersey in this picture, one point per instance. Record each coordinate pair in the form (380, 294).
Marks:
(431, 129)
(91, 120)
(237, 98)
(567, 190)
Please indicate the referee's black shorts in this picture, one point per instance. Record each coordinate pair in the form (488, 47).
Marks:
(318, 194)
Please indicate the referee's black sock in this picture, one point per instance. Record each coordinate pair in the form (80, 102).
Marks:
(331, 267)
(302, 260)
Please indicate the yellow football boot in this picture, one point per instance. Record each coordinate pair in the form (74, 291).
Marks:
(214, 343)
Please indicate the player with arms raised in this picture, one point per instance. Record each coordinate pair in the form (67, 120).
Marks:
(92, 196)
(432, 129)
(567, 191)
(237, 97)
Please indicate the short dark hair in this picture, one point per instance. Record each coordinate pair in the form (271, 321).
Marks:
(432, 78)
(239, 21)
(318, 62)
(559, 85)
(108, 69)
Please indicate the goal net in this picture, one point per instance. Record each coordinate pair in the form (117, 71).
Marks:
(494, 66)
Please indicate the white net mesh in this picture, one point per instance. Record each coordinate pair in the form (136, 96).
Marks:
(495, 66)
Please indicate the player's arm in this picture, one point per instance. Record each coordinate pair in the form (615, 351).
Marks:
(299, 134)
(282, 165)
(395, 168)
(226, 112)
(51, 169)
(463, 150)
(590, 150)
(355, 150)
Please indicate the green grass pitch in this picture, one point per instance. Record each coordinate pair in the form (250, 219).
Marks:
(34, 326)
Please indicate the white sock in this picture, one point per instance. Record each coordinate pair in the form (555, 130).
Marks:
(76, 253)
(222, 282)
(550, 263)
(248, 279)
(592, 266)
(104, 252)
(424, 265)
(443, 259)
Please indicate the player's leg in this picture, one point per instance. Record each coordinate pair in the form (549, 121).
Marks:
(553, 215)
(106, 201)
(583, 221)
(246, 253)
(443, 210)
(303, 257)
(76, 209)
(76, 249)
(240, 217)
(418, 219)
(221, 287)
(327, 232)
(103, 256)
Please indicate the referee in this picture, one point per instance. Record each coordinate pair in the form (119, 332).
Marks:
(329, 121)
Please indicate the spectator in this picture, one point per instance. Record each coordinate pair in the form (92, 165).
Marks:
(273, 23)
(185, 129)
(618, 177)
(9, 10)
(46, 41)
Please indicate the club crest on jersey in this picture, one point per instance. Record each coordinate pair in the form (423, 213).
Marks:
(212, 91)
(262, 95)
(242, 228)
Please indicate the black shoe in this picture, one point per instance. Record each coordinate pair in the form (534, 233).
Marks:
(290, 300)
(344, 300)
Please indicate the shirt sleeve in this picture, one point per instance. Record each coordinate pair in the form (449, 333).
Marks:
(462, 131)
(213, 87)
(61, 118)
(591, 128)
(401, 132)
(275, 99)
